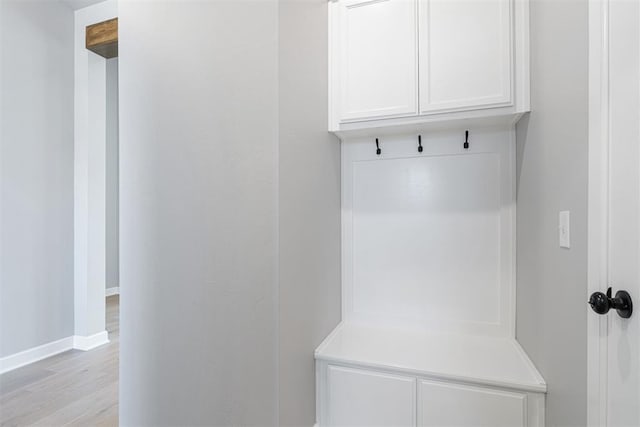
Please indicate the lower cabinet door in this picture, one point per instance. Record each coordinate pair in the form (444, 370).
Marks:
(441, 404)
(365, 398)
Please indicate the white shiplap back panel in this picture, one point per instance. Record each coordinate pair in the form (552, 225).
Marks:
(428, 237)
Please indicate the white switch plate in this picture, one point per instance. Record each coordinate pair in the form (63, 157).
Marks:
(564, 229)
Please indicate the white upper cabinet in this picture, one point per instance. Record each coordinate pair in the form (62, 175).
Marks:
(410, 62)
(378, 49)
(465, 54)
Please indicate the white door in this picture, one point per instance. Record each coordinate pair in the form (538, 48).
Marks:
(465, 54)
(614, 209)
(378, 59)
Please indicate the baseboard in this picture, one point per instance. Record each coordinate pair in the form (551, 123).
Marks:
(112, 291)
(85, 343)
(35, 354)
(26, 357)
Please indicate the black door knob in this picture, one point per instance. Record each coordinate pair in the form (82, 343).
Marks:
(601, 303)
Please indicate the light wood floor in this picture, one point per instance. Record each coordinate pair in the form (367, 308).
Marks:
(76, 388)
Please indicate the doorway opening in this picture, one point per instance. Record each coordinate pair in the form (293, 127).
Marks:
(112, 253)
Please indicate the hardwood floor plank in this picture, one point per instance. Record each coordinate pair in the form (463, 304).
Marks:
(43, 403)
(22, 377)
(75, 388)
(83, 409)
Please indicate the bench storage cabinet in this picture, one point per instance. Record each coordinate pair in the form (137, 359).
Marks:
(374, 377)
(361, 397)
(424, 96)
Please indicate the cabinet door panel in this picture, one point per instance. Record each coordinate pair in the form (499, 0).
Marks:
(442, 405)
(366, 398)
(465, 54)
(378, 60)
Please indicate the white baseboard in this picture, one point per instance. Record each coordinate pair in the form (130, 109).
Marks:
(112, 291)
(26, 357)
(85, 343)
(32, 355)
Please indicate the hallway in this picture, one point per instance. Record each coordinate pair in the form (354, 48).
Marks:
(74, 388)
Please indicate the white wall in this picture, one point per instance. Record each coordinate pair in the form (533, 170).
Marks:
(309, 207)
(112, 267)
(36, 174)
(198, 203)
(552, 176)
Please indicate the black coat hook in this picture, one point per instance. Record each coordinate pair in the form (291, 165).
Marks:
(378, 150)
(419, 143)
(466, 140)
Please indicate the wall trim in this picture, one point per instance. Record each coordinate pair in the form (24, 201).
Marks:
(31, 355)
(89, 213)
(488, 142)
(90, 342)
(35, 354)
(598, 209)
(115, 290)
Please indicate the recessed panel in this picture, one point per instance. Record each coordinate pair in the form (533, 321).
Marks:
(426, 238)
(454, 405)
(465, 53)
(364, 398)
(379, 76)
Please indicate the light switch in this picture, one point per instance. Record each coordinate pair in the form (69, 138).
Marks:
(564, 229)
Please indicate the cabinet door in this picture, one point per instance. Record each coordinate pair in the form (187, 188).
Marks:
(378, 61)
(367, 398)
(465, 54)
(442, 405)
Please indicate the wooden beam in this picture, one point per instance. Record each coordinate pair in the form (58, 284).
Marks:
(102, 38)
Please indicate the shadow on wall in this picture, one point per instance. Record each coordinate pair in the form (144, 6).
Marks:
(522, 132)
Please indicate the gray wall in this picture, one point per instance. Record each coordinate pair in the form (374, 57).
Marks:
(552, 176)
(198, 204)
(230, 211)
(36, 174)
(309, 207)
(112, 266)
